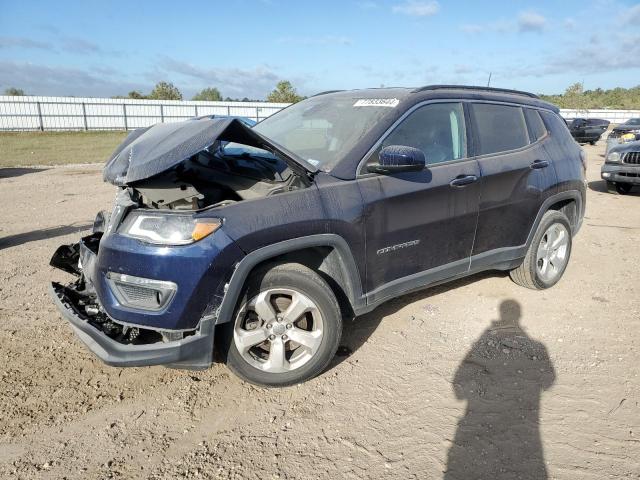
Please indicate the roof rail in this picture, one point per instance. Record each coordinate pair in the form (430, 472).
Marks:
(471, 87)
(326, 92)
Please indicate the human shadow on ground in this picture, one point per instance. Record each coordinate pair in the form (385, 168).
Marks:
(18, 172)
(41, 234)
(502, 378)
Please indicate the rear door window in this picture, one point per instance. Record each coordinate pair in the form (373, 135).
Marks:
(536, 127)
(498, 128)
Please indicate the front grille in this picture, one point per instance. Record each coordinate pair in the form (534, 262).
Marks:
(137, 294)
(627, 174)
(632, 158)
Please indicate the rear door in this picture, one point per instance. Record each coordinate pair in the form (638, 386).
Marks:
(421, 221)
(517, 174)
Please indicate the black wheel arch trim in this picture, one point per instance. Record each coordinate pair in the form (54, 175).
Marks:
(555, 198)
(347, 265)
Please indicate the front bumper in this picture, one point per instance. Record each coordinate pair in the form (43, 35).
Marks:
(191, 352)
(620, 173)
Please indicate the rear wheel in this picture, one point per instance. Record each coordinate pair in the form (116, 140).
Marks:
(286, 328)
(548, 254)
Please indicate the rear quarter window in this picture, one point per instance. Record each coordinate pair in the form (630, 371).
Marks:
(498, 128)
(536, 127)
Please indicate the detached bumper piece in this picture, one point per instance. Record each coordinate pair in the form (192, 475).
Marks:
(116, 343)
(194, 351)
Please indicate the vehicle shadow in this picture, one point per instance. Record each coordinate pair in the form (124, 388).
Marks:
(601, 187)
(356, 332)
(502, 378)
(18, 172)
(41, 234)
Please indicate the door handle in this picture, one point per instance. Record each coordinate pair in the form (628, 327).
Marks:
(463, 180)
(539, 164)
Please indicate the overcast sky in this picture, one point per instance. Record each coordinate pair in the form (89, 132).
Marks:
(243, 47)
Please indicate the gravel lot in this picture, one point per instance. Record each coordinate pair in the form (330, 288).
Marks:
(480, 372)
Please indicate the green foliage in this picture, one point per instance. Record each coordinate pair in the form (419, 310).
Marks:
(210, 94)
(14, 92)
(577, 98)
(284, 93)
(136, 94)
(165, 91)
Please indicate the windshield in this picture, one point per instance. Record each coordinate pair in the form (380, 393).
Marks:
(323, 129)
(633, 121)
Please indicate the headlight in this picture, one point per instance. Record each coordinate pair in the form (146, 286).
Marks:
(167, 229)
(613, 157)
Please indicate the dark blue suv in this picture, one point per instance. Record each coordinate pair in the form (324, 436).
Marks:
(255, 243)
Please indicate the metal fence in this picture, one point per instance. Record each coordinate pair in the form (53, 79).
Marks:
(614, 116)
(70, 113)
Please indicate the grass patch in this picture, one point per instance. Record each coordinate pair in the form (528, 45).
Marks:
(19, 149)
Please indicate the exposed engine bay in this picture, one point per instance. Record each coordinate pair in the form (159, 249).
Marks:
(202, 163)
(215, 179)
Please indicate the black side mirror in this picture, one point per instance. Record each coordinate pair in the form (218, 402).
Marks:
(398, 158)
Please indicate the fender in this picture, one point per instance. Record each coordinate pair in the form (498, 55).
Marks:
(346, 262)
(555, 198)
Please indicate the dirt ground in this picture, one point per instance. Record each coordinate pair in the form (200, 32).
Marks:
(476, 379)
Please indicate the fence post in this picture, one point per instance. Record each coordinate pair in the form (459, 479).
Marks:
(124, 111)
(84, 117)
(40, 116)
(195, 107)
(161, 114)
(257, 115)
(228, 110)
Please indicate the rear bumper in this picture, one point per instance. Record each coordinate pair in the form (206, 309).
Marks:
(191, 352)
(621, 173)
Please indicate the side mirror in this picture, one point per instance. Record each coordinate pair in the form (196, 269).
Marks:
(398, 158)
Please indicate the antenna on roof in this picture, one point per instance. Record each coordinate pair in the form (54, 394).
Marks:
(489, 81)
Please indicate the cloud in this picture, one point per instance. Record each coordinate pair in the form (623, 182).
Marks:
(22, 42)
(631, 16)
(79, 45)
(416, 8)
(38, 79)
(252, 83)
(526, 22)
(324, 40)
(531, 22)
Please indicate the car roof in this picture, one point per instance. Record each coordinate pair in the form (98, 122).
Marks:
(416, 95)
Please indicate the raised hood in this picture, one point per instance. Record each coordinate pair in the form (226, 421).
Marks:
(147, 152)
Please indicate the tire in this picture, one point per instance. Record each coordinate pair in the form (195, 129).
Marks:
(538, 272)
(319, 328)
(619, 188)
(592, 142)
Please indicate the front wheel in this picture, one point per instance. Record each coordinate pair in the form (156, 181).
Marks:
(619, 188)
(548, 254)
(286, 327)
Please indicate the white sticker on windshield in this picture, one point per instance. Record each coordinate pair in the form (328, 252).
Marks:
(377, 102)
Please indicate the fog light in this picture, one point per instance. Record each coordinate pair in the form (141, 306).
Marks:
(141, 293)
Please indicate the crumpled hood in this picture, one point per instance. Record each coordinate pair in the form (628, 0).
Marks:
(147, 152)
(626, 147)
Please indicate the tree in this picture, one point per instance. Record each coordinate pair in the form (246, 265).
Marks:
(210, 94)
(165, 91)
(136, 94)
(284, 93)
(14, 92)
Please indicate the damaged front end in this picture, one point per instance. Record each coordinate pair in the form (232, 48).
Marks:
(118, 343)
(151, 276)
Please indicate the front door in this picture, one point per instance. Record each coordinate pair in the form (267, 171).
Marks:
(420, 225)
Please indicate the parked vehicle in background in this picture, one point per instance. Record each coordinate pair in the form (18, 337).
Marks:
(263, 239)
(628, 131)
(587, 130)
(621, 169)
